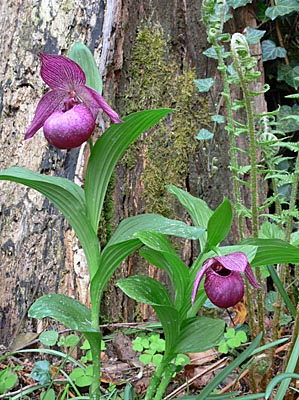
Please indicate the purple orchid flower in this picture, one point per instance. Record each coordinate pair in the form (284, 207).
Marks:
(68, 112)
(224, 284)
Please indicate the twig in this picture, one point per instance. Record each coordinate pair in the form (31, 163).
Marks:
(7, 395)
(219, 364)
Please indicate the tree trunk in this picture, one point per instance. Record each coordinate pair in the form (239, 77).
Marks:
(149, 53)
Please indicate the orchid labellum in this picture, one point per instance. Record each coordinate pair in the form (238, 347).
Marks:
(224, 284)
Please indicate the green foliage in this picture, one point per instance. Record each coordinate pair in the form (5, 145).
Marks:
(288, 74)
(48, 338)
(253, 35)
(48, 395)
(204, 85)
(88, 354)
(41, 372)
(69, 340)
(232, 340)
(83, 56)
(238, 3)
(271, 51)
(70, 312)
(8, 379)
(219, 223)
(205, 134)
(282, 8)
(82, 377)
(151, 346)
(288, 119)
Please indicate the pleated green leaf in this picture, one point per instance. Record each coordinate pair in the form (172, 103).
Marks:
(149, 291)
(69, 199)
(145, 290)
(107, 151)
(272, 251)
(197, 209)
(159, 252)
(199, 334)
(220, 223)
(66, 310)
(130, 227)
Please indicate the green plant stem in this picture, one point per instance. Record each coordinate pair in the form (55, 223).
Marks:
(156, 379)
(293, 199)
(164, 383)
(253, 185)
(234, 165)
(230, 129)
(291, 361)
(95, 348)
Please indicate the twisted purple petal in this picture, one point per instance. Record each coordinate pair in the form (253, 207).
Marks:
(61, 73)
(94, 101)
(49, 103)
(199, 277)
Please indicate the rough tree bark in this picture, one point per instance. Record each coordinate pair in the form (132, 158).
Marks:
(39, 252)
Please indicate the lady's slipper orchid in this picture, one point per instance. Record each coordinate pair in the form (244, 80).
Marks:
(68, 112)
(224, 284)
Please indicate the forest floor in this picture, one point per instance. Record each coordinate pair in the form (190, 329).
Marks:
(121, 365)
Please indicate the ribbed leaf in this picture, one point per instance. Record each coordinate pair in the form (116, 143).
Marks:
(145, 290)
(199, 334)
(197, 209)
(111, 258)
(149, 291)
(220, 223)
(69, 312)
(131, 226)
(160, 253)
(68, 198)
(107, 151)
(272, 251)
(83, 56)
(124, 241)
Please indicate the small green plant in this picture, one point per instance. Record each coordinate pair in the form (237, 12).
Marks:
(82, 377)
(152, 347)
(88, 355)
(8, 379)
(68, 341)
(42, 372)
(232, 340)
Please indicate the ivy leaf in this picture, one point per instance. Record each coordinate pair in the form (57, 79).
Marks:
(204, 85)
(281, 8)
(253, 35)
(218, 118)
(271, 52)
(204, 134)
(285, 122)
(238, 3)
(211, 53)
(289, 75)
